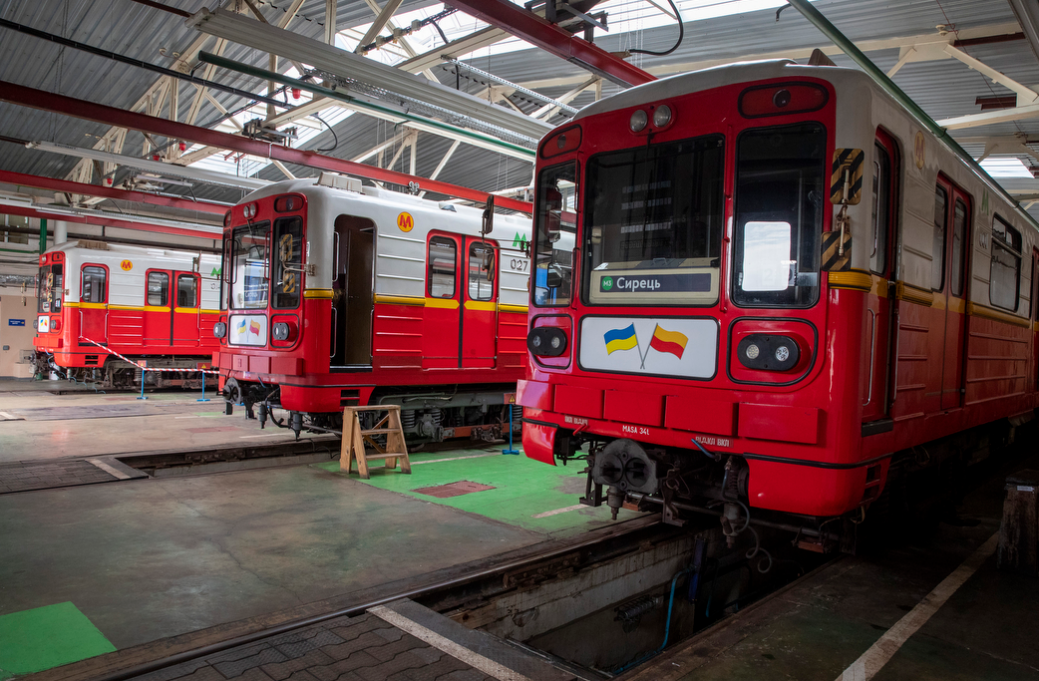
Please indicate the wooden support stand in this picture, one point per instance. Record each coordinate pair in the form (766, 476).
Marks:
(355, 440)
(1019, 531)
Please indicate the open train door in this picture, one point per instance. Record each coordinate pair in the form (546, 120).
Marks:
(353, 293)
(876, 394)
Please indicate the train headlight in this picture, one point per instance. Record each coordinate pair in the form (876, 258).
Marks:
(250, 210)
(547, 341)
(638, 121)
(662, 116)
(280, 331)
(219, 330)
(765, 352)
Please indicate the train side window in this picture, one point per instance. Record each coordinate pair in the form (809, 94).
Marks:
(881, 208)
(187, 291)
(941, 217)
(959, 232)
(158, 288)
(1005, 272)
(288, 263)
(441, 272)
(481, 271)
(555, 234)
(92, 288)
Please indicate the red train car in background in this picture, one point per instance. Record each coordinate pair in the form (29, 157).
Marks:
(150, 305)
(342, 295)
(766, 287)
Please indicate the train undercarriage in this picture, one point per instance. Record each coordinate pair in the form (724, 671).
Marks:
(922, 486)
(428, 415)
(115, 374)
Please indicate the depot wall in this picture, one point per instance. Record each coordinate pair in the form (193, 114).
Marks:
(15, 339)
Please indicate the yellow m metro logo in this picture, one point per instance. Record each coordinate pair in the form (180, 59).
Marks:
(405, 222)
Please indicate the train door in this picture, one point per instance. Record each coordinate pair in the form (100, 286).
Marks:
(442, 319)
(93, 296)
(877, 344)
(1034, 302)
(185, 312)
(158, 322)
(955, 291)
(478, 322)
(353, 298)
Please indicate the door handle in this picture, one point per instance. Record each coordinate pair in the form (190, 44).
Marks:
(872, 352)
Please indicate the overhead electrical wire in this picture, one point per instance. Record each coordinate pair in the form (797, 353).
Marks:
(335, 137)
(681, 35)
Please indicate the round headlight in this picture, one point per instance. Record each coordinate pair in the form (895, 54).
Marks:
(781, 98)
(782, 353)
(662, 116)
(638, 121)
(219, 330)
(280, 331)
(753, 351)
(556, 342)
(536, 341)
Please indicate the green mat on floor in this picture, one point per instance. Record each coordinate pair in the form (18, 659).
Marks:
(527, 493)
(47, 637)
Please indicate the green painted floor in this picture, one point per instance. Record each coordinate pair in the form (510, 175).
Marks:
(527, 493)
(46, 637)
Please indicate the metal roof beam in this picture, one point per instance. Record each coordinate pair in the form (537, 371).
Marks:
(65, 186)
(46, 101)
(555, 40)
(326, 58)
(93, 218)
(1018, 113)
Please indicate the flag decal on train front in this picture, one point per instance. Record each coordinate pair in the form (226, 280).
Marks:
(621, 339)
(668, 341)
(241, 326)
(255, 327)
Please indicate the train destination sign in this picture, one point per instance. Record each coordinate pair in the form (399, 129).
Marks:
(698, 282)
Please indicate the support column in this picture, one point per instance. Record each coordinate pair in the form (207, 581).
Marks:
(61, 232)
(43, 235)
(330, 22)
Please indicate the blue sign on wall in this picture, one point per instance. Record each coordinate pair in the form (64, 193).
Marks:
(16, 322)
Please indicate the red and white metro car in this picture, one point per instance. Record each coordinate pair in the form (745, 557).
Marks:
(150, 305)
(698, 332)
(342, 295)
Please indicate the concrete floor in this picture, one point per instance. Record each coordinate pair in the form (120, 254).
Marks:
(815, 630)
(37, 425)
(142, 560)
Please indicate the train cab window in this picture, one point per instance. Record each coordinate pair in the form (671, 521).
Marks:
(555, 235)
(158, 288)
(250, 266)
(481, 271)
(959, 232)
(50, 288)
(441, 272)
(187, 290)
(92, 288)
(780, 202)
(288, 263)
(941, 217)
(1005, 275)
(653, 224)
(881, 209)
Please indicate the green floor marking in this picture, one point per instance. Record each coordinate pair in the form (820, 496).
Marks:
(523, 488)
(44, 638)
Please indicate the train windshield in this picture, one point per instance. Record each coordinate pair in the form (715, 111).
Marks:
(780, 197)
(653, 224)
(49, 288)
(250, 266)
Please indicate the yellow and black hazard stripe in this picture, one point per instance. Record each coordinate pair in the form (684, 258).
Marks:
(850, 160)
(834, 258)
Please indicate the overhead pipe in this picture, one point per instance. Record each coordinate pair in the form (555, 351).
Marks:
(143, 226)
(544, 99)
(108, 115)
(223, 62)
(848, 47)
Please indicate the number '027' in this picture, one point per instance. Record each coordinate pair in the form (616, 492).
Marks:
(519, 265)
